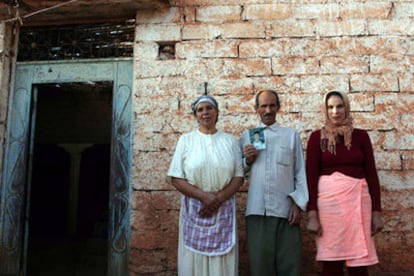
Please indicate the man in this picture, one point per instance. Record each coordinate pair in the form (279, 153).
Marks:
(277, 193)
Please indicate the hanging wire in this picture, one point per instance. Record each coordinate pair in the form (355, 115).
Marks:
(19, 18)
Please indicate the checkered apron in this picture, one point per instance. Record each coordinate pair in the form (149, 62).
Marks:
(211, 236)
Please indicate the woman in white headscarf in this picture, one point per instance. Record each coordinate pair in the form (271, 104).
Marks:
(344, 193)
(207, 169)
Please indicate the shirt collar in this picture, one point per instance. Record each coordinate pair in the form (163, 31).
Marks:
(273, 127)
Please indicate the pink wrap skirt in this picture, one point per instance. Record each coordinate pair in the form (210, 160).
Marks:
(344, 207)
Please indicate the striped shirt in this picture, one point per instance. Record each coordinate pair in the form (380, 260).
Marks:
(277, 176)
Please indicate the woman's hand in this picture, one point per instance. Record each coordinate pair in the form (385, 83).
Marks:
(213, 200)
(211, 203)
(376, 223)
(314, 225)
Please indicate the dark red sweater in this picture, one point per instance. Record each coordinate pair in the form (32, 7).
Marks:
(358, 162)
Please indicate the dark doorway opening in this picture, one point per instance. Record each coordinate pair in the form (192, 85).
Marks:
(69, 189)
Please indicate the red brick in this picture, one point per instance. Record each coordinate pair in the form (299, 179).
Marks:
(147, 261)
(397, 200)
(158, 32)
(374, 82)
(320, 84)
(236, 85)
(164, 200)
(291, 28)
(407, 158)
(242, 67)
(367, 10)
(326, 11)
(407, 82)
(141, 200)
(391, 27)
(344, 65)
(254, 48)
(203, 49)
(403, 9)
(388, 160)
(218, 13)
(166, 15)
(146, 239)
(199, 31)
(244, 30)
(150, 172)
(295, 66)
(352, 27)
(267, 12)
(282, 84)
(397, 180)
(390, 63)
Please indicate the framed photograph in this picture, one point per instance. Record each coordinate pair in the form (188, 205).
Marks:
(257, 138)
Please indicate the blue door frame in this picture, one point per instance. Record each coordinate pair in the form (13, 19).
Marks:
(13, 193)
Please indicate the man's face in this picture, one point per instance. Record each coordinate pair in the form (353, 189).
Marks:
(267, 108)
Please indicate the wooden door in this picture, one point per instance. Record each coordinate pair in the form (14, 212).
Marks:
(13, 200)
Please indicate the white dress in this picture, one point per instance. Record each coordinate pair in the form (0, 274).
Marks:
(208, 162)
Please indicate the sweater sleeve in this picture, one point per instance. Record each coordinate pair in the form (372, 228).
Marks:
(371, 173)
(313, 161)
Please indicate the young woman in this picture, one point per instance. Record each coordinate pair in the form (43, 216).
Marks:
(344, 194)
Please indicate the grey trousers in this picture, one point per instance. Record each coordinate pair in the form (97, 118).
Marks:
(273, 246)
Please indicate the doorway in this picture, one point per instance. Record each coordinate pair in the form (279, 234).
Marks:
(69, 189)
(47, 81)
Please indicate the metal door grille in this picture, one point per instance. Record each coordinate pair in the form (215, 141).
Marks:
(77, 41)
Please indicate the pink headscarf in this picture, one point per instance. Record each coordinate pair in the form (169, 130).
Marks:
(331, 131)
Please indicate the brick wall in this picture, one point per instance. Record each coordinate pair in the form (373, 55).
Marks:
(231, 49)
